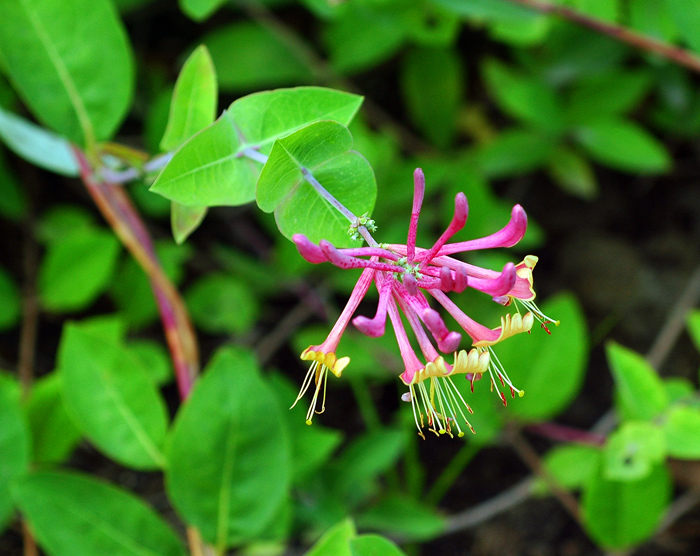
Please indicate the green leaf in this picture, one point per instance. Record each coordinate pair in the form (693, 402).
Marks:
(514, 152)
(54, 435)
(335, 541)
(75, 515)
(433, 109)
(221, 304)
(681, 427)
(77, 269)
(573, 173)
(10, 301)
(571, 465)
(550, 369)
(13, 199)
(633, 451)
(374, 545)
(322, 149)
(184, 220)
(641, 392)
(154, 358)
(620, 514)
(607, 94)
(193, 105)
(81, 93)
(491, 10)
(112, 399)
(623, 145)
(523, 97)
(14, 447)
(228, 442)
(209, 169)
(249, 56)
(398, 515)
(686, 16)
(653, 18)
(199, 10)
(62, 220)
(607, 10)
(37, 145)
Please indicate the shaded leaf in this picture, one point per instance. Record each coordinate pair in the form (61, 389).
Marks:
(633, 451)
(222, 304)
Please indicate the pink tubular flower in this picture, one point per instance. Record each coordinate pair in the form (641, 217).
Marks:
(403, 275)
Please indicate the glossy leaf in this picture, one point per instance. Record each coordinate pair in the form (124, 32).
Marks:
(550, 369)
(112, 399)
(77, 269)
(209, 169)
(433, 109)
(633, 451)
(193, 105)
(249, 56)
(374, 545)
(335, 541)
(227, 441)
(15, 447)
(620, 514)
(623, 145)
(681, 427)
(641, 391)
(81, 93)
(37, 145)
(322, 149)
(222, 304)
(75, 515)
(54, 434)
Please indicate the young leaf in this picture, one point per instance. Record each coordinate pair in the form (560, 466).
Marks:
(14, 446)
(228, 441)
(184, 220)
(633, 451)
(335, 541)
(82, 93)
(642, 393)
(54, 435)
(37, 145)
(402, 516)
(209, 168)
(433, 109)
(623, 145)
(249, 56)
(681, 427)
(550, 369)
(193, 106)
(374, 545)
(72, 514)
(77, 269)
(322, 149)
(620, 514)
(112, 399)
(572, 465)
(573, 173)
(199, 10)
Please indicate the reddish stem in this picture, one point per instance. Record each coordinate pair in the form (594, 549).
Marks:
(563, 433)
(122, 216)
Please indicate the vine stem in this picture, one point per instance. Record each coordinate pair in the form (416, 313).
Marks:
(622, 34)
(118, 210)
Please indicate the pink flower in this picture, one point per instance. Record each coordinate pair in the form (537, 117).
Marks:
(403, 275)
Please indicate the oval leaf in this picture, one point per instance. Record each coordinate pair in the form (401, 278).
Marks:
(112, 399)
(82, 93)
(74, 515)
(228, 442)
(209, 169)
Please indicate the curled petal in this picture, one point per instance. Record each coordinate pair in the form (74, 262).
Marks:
(523, 287)
(334, 364)
(312, 253)
(507, 236)
(472, 363)
(461, 280)
(375, 327)
(447, 341)
(510, 326)
(446, 282)
(498, 286)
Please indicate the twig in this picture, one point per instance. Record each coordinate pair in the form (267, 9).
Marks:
(622, 34)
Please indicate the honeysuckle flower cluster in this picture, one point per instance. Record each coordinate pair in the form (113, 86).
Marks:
(406, 276)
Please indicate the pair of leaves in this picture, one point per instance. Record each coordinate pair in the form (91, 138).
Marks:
(342, 540)
(214, 168)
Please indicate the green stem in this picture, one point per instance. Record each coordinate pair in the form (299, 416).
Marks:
(450, 474)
